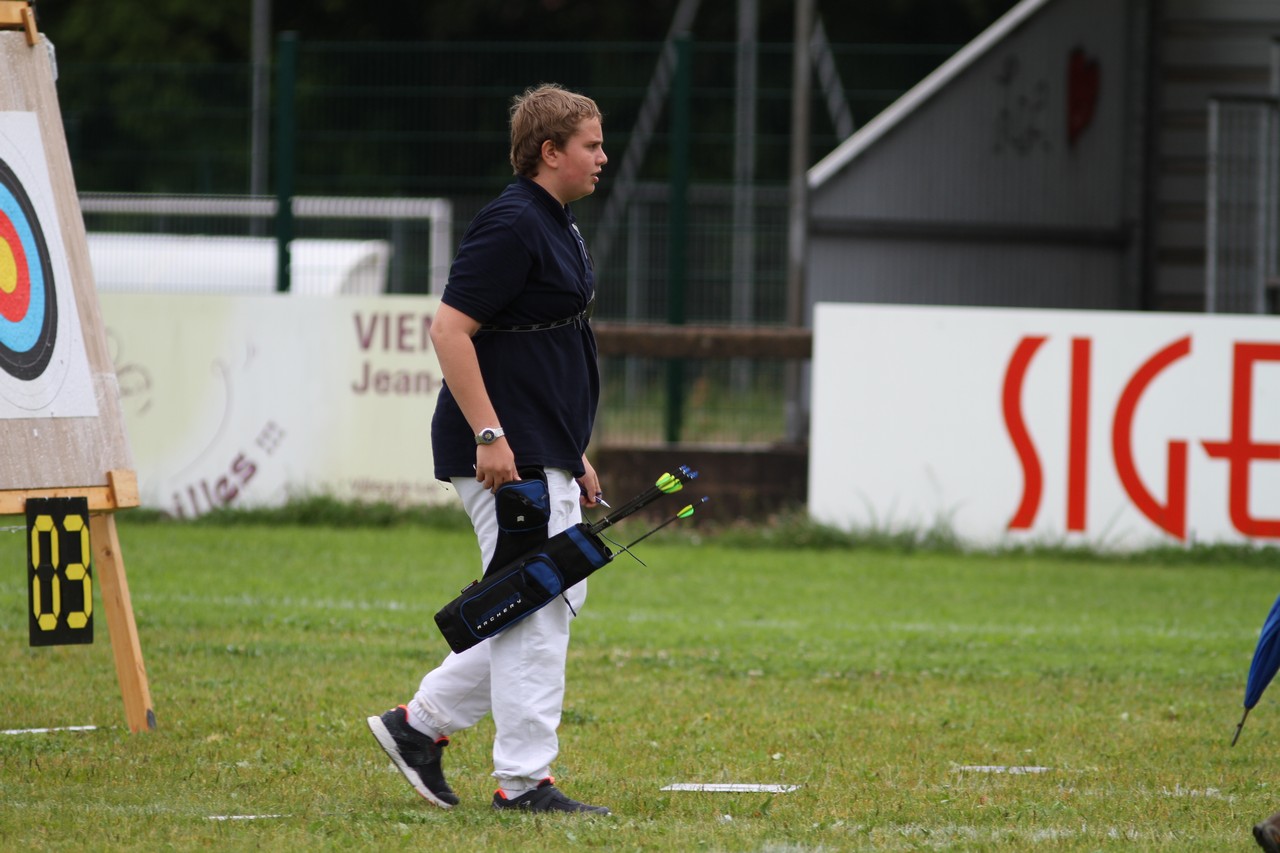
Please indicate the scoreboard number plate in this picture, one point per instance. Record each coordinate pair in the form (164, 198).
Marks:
(59, 576)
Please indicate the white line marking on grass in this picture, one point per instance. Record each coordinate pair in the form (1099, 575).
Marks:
(43, 731)
(732, 788)
(1000, 768)
(288, 601)
(944, 836)
(1179, 791)
(961, 629)
(244, 816)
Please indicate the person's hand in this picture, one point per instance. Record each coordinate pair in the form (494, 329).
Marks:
(495, 464)
(589, 485)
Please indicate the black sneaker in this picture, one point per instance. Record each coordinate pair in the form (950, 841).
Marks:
(544, 798)
(1267, 834)
(417, 757)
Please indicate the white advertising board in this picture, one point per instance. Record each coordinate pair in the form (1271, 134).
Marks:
(1118, 430)
(250, 400)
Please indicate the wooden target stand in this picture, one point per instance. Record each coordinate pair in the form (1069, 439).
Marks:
(61, 421)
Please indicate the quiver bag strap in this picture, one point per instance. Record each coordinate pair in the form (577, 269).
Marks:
(523, 508)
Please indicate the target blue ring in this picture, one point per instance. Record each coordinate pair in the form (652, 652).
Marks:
(24, 334)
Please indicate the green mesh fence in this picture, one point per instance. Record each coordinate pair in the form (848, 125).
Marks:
(428, 121)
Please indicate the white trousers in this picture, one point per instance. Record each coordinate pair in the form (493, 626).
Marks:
(518, 674)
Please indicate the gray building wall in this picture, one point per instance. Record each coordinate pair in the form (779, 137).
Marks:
(979, 189)
(1203, 48)
(976, 188)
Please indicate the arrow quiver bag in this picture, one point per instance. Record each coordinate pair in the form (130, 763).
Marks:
(528, 584)
(528, 570)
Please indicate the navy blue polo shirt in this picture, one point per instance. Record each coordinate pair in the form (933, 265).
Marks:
(521, 262)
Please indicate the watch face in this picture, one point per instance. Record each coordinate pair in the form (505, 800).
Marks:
(487, 436)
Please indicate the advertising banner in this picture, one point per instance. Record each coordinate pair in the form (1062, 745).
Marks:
(250, 400)
(1114, 429)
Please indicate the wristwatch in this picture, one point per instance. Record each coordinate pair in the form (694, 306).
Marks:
(489, 435)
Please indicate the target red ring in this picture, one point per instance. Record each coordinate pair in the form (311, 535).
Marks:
(15, 277)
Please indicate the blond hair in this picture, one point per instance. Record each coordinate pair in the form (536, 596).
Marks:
(546, 112)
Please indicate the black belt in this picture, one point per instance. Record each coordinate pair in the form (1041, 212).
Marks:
(579, 320)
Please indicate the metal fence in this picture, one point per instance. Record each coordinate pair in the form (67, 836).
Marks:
(1241, 208)
(428, 121)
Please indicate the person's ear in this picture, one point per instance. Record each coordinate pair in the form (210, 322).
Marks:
(549, 152)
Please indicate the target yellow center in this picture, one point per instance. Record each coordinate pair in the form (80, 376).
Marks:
(8, 269)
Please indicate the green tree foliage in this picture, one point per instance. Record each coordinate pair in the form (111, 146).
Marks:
(133, 31)
(156, 93)
(146, 31)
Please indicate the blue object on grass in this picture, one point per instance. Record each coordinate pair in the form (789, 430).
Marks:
(1266, 660)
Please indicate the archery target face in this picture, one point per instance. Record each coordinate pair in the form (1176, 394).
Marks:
(43, 368)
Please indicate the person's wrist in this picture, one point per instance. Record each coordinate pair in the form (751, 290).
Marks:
(489, 435)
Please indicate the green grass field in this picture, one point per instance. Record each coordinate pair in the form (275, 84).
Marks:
(876, 679)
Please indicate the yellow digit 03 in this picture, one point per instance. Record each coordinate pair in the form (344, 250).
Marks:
(46, 621)
(77, 572)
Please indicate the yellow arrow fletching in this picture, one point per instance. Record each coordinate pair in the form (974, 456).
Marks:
(668, 484)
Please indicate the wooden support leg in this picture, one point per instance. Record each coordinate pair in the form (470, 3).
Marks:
(109, 567)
